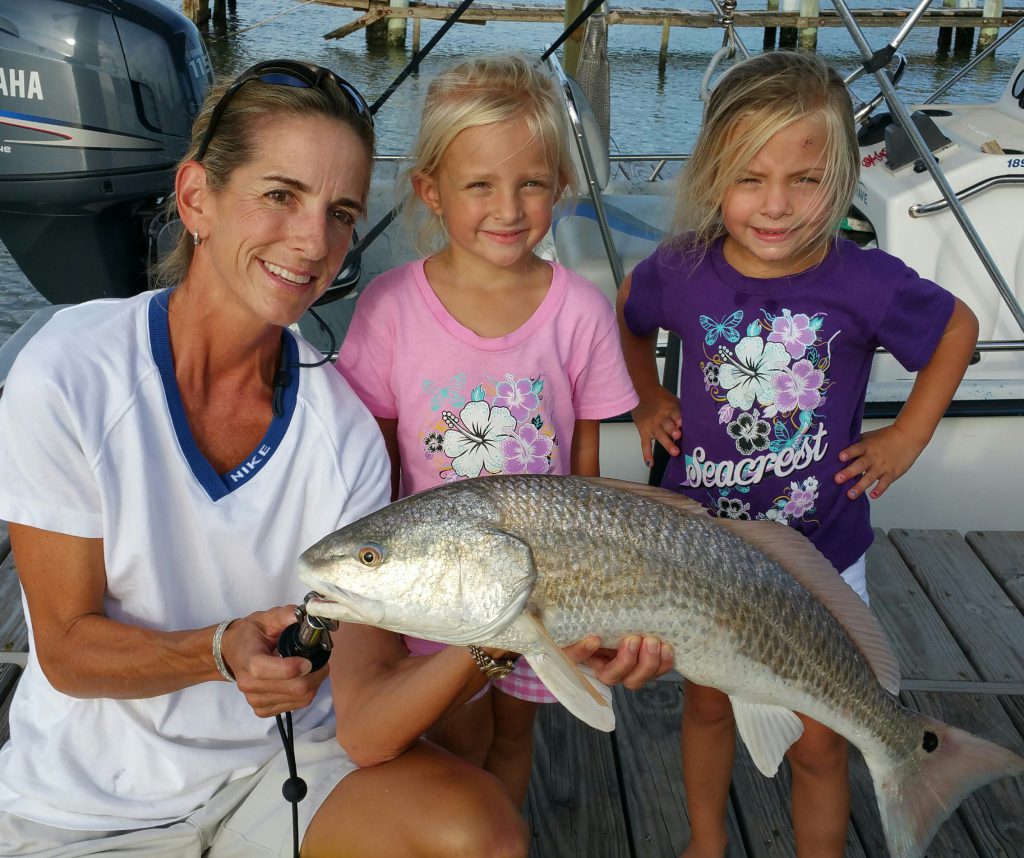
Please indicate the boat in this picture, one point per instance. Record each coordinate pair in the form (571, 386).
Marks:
(88, 174)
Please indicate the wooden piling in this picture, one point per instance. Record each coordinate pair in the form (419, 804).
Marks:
(220, 13)
(945, 41)
(571, 46)
(963, 40)
(416, 35)
(809, 35)
(787, 35)
(197, 11)
(397, 26)
(663, 52)
(771, 33)
(993, 9)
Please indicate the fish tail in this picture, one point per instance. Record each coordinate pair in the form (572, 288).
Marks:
(917, 795)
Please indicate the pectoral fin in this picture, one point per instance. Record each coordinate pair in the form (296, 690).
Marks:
(584, 696)
(767, 731)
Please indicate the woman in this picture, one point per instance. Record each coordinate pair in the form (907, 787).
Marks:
(163, 461)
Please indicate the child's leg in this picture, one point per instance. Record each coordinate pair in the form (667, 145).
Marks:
(510, 758)
(708, 745)
(821, 791)
(467, 732)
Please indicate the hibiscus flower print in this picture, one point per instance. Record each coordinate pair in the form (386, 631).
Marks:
(750, 433)
(526, 451)
(473, 440)
(799, 386)
(801, 499)
(710, 370)
(794, 332)
(519, 396)
(750, 374)
(433, 442)
(733, 508)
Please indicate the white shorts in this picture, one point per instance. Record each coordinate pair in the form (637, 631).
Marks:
(855, 575)
(247, 818)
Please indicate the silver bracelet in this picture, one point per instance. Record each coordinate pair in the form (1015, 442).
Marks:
(218, 656)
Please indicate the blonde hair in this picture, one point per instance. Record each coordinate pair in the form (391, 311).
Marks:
(766, 93)
(232, 145)
(482, 91)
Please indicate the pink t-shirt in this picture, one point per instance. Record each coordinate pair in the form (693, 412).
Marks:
(469, 406)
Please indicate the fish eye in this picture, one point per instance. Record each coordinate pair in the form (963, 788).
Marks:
(370, 554)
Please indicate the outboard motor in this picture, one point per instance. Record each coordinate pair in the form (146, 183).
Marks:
(97, 99)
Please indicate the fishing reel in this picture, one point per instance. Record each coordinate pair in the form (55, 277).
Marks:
(308, 637)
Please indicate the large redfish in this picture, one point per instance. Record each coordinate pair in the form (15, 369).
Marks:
(530, 563)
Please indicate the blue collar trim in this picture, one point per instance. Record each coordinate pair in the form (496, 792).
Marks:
(216, 485)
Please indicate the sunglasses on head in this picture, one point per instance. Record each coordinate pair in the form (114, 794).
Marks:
(285, 73)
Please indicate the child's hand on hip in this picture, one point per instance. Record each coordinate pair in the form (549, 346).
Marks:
(880, 458)
(658, 418)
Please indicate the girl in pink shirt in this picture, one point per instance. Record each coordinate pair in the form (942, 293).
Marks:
(483, 358)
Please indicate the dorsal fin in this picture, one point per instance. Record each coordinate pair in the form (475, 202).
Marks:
(808, 566)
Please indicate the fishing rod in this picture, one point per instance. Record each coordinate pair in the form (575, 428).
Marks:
(572, 28)
(414, 63)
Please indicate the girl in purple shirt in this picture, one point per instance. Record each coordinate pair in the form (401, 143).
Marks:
(779, 320)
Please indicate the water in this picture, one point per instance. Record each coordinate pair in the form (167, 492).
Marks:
(650, 111)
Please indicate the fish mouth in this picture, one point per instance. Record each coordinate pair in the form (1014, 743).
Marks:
(348, 607)
(336, 603)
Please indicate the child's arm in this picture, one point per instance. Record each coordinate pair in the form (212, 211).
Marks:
(657, 417)
(883, 456)
(389, 429)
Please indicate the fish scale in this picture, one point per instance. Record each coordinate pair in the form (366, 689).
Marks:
(532, 563)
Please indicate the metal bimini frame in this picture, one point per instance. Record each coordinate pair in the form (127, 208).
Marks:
(875, 62)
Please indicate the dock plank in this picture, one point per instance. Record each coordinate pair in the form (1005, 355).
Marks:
(9, 674)
(924, 647)
(763, 807)
(1002, 551)
(986, 624)
(647, 740)
(574, 804)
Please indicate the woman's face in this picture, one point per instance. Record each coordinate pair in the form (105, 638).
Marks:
(280, 228)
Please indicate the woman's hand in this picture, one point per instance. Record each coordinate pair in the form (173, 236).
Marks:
(637, 661)
(271, 684)
(658, 418)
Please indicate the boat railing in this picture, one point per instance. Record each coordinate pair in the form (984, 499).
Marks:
(571, 99)
(923, 209)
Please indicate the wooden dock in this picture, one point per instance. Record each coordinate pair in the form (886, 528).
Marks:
(954, 609)
(483, 13)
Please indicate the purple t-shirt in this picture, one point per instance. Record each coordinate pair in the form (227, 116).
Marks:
(774, 376)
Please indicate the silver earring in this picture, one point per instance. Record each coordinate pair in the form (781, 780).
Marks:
(196, 240)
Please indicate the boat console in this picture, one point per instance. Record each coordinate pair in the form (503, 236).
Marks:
(980, 149)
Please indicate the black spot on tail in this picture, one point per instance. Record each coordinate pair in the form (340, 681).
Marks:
(930, 742)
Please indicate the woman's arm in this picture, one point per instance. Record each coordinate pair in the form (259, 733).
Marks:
(86, 654)
(657, 417)
(883, 456)
(385, 699)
